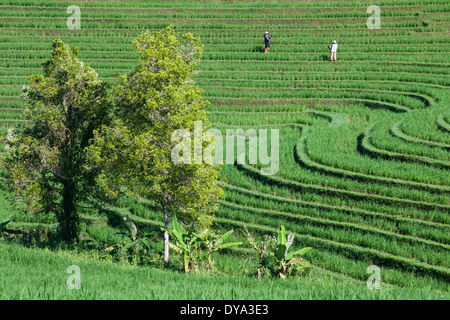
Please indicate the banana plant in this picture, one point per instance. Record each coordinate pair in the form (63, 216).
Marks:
(218, 244)
(261, 250)
(285, 258)
(185, 242)
(132, 236)
(191, 244)
(133, 240)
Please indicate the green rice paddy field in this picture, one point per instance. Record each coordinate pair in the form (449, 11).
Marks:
(363, 173)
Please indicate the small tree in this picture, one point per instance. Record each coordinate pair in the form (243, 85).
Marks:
(46, 161)
(274, 256)
(152, 102)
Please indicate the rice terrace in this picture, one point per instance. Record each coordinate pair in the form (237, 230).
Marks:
(334, 117)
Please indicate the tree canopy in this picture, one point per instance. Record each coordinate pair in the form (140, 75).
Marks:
(46, 161)
(154, 100)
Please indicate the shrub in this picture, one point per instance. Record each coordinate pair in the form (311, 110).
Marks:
(275, 258)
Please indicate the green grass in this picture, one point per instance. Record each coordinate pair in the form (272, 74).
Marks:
(364, 145)
(105, 280)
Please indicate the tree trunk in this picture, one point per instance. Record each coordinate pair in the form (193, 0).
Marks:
(68, 218)
(166, 234)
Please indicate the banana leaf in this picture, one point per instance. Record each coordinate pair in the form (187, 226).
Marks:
(280, 252)
(300, 252)
(178, 231)
(290, 240)
(174, 247)
(281, 236)
(226, 245)
(223, 238)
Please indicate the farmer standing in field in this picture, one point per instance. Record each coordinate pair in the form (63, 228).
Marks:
(267, 40)
(333, 49)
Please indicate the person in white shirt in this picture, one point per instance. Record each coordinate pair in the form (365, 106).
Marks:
(333, 51)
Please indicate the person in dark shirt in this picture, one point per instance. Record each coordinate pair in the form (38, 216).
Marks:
(267, 40)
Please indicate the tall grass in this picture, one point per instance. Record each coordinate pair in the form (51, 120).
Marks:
(104, 280)
(357, 196)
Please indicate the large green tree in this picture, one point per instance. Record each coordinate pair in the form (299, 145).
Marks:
(154, 100)
(46, 161)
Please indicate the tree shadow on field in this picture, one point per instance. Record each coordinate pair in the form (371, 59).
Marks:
(115, 220)
(32, 237)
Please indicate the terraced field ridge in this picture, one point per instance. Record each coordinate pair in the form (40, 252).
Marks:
(364, 152)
